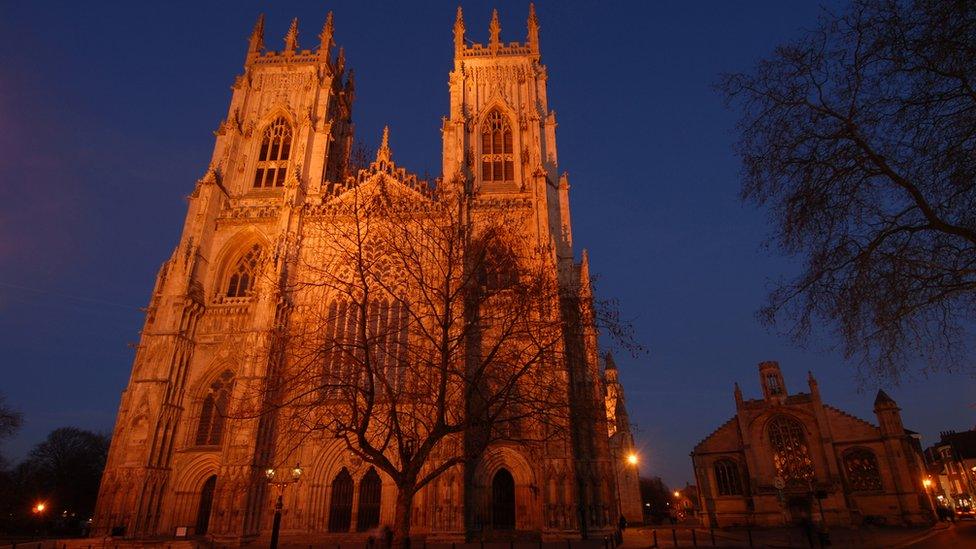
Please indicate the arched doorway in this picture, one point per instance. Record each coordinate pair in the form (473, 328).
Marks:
(503, 501)
(340, 504)
(370, 488)
(206, 502)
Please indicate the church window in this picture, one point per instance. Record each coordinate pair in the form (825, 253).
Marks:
(791, 456)
(861, 468)
(272, 165)
(213, 411)
(340, 504)
(497, 156)
(241, 281)
(386, 331)
(727, 478)
(773, 383)
(368, 514)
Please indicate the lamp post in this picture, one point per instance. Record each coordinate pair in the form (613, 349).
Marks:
(296, 473)
(927, 483)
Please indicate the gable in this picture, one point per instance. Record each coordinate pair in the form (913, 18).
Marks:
(725, 438)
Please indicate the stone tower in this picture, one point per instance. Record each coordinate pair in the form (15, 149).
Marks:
(287, 132)
(182, 460)
(622, 448)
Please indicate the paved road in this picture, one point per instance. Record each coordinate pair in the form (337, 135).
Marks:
(963, 534)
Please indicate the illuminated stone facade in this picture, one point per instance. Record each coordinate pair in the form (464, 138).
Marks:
(783, 457)
(178, 465)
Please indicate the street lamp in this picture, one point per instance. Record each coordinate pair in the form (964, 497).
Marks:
(927, 483)
(280, 484)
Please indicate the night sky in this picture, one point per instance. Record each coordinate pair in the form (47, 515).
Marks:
(106, 120)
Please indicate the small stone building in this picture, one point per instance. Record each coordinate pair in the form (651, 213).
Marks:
(782, 458)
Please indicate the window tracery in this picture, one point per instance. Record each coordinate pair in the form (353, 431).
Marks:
(861, 468)
(272, 167)
(213, 411)
(497, 149)
(386, 331)
(727, 478)
(791, 456)
(241, 280)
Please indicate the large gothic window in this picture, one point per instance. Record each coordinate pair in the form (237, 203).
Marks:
(214, 410)
(340, 504)
(861, 468)
(272, 165)
(241, 280)
(727, 478)
(386, 333)
(368, 514)
(497, 156)
(791, 456)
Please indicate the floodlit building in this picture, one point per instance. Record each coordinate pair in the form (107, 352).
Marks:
(783, 457)
(182, 463)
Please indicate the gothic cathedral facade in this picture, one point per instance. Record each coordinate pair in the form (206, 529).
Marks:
(178, 465)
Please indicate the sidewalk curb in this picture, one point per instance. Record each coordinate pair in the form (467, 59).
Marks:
(935, 530)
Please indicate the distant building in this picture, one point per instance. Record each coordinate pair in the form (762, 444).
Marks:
(952, 463)
(782, 457)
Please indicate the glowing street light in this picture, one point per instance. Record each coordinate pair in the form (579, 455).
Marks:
(39, 507)
(677, 494)
(296, 473)
(632, 458)
(927, 482)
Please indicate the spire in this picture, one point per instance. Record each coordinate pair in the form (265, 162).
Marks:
(611, 365)
(494, 29)
(533, 26)
(884, 401)
(325, 37)
(459, 31)
(738, 395)
(291, 39)
(383, 153)
(256, 42)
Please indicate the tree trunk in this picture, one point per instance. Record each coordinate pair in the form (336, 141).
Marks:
(401, 518)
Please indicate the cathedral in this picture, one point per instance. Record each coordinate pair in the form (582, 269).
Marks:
(791, 459)
(186, 459)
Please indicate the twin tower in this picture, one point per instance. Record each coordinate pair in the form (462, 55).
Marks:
(179, 465)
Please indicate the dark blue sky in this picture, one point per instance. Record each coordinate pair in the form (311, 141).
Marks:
(106, 119)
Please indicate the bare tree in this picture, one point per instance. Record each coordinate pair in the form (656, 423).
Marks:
(10, 421)
(423, 326)
(859, 139)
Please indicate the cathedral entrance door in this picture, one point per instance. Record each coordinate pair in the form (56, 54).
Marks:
(503, 501)
(206, 502)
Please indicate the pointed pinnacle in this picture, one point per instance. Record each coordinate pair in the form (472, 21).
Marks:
(533, 25)
(291, 39)
(494, 29)
(327, 31)
(383, 153)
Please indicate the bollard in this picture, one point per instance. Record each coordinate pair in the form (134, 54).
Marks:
(694, 540)
(711, 530)
(569, 544)
(674, 536)
(749, 531)
(655, 538)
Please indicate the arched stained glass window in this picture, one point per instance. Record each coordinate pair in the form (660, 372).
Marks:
(272, 165)
(791, 456)
(861, 468)
(727, 478)
(213, 411)
(386, 330)
(241, 280)
(497, 149)
(340, 504)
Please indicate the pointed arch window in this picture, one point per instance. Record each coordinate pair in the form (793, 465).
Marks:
(340, 504)
(791, 455)
(727, 478)
(497, 148)
(861, 468)
(241, 280)
(213, 411)
(386, 333)
(272, 165)
(370, 490)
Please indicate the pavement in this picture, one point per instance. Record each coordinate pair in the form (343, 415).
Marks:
(944, 535)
